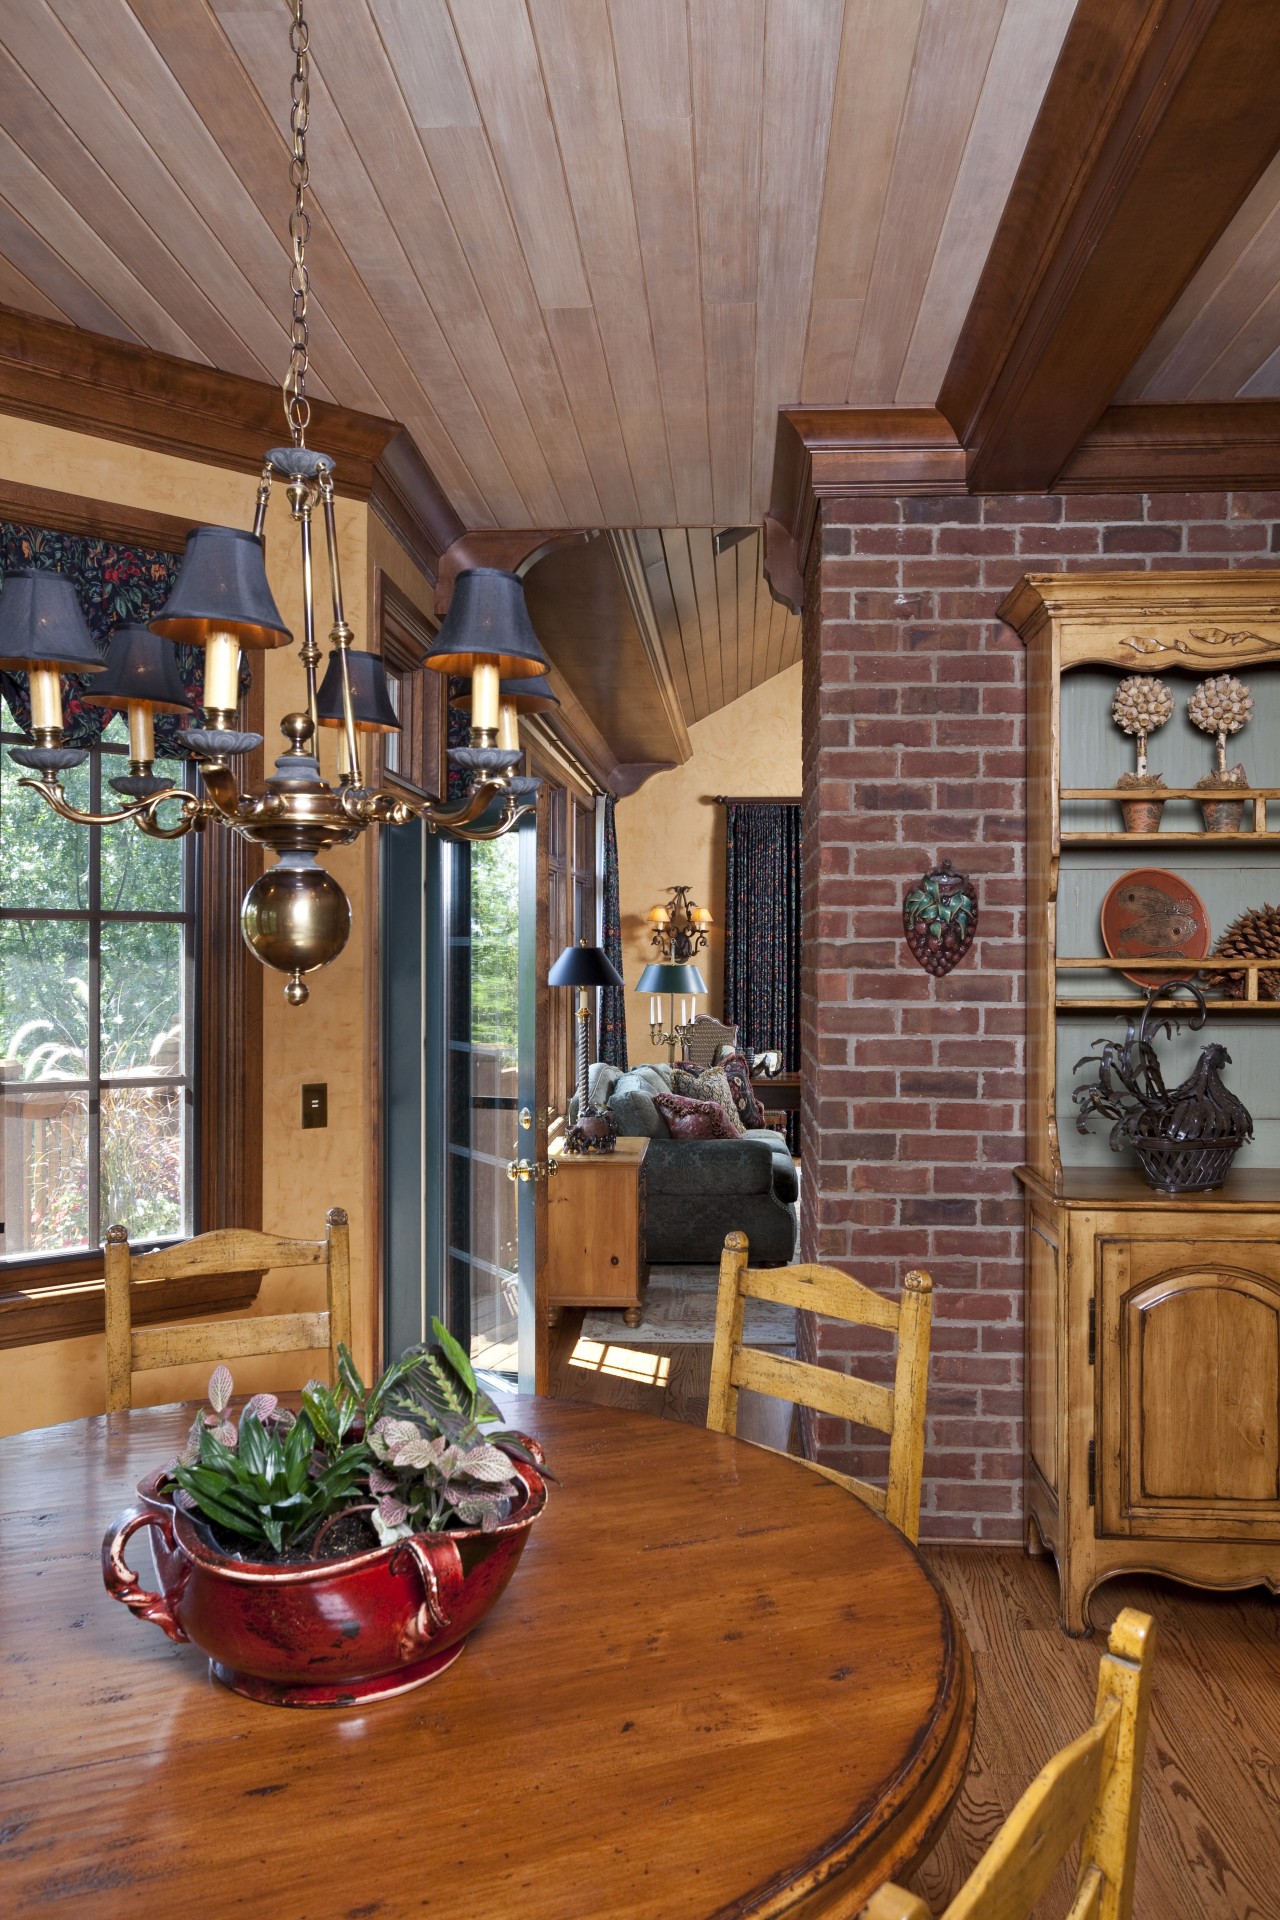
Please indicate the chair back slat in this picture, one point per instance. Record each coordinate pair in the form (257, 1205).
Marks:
(229, 1250)
(1089, 1791)
(176, 1346)
(841, 1394)
(822, 1290)
(898, 1411)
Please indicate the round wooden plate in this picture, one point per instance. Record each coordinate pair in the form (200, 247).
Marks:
(1149, 912)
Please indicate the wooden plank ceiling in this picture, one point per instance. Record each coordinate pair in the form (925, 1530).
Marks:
(583, 249)
(1221, 341)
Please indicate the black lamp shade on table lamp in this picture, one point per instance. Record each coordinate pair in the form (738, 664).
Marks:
(585, 967)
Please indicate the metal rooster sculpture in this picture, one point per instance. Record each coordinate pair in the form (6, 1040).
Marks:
(1185, 1137)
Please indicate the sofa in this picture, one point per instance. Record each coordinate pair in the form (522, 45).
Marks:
(697, 1191)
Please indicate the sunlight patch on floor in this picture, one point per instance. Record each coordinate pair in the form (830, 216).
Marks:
(622, 1363)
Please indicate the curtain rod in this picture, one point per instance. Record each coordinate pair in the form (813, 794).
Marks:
(756, 800)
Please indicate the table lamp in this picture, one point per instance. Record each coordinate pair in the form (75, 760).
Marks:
(664, 976)
(584, 967)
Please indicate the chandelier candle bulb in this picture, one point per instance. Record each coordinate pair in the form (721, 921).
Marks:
(484, 697)
(508, 727)
(221, 675)
(46, 699)
(142, 733)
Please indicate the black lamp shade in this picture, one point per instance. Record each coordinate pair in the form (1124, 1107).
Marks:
(488, 620)
(222, 588)
(584, 966)
(141, 668)
(41, 624)
(661, 976)
(533, 695)
(370, 699)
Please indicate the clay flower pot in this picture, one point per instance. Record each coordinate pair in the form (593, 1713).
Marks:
(1141, 802)
(325, 1633)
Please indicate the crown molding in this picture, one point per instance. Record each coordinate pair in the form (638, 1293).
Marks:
(834, 453)
(513, 549)
(838, 453)
(1178, 447)
(64, 376)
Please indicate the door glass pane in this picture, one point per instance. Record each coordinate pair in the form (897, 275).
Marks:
(143, 1128)
(494, 1053)
(142, 998)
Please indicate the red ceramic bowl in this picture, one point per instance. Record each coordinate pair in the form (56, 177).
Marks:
(331, 1634)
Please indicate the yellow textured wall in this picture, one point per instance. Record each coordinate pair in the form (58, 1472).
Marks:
(671, 833)
(332, 1038)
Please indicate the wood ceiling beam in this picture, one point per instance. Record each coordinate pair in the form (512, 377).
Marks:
(65, 376)
(1158, 120)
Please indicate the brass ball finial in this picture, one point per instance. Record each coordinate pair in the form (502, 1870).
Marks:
(296, 992)
(297, 730)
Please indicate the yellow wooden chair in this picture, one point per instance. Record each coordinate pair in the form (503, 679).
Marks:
(898, 1411)
(1091, 1788)
(230, 1250)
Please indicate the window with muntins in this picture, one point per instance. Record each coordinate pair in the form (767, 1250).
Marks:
(97, 1040)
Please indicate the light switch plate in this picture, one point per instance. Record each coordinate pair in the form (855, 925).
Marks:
(315, 1104)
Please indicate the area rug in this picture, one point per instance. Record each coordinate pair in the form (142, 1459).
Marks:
(680, 1309)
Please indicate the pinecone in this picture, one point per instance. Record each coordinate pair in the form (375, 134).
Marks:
(1221, 705)
(1142, 704)
(1254, 936)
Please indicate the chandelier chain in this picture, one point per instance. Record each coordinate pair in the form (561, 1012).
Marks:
(297, 408)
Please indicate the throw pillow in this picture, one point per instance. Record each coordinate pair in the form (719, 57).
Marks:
(738, 1074)
(707, 1083)
(695, 1119)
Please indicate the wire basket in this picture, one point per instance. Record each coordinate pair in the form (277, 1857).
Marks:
(1186, 1166)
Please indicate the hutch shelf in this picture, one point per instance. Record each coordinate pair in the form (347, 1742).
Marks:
(1152, 1321)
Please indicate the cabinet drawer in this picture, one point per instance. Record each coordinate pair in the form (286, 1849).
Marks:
(1189, 1387)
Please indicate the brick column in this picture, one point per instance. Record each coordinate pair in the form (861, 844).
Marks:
(914, 719)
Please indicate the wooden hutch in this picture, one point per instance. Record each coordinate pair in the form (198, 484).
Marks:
(1152, 1322)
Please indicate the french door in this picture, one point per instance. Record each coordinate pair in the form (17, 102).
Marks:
(461, 1141)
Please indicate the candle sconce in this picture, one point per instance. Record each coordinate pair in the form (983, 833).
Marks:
(679, 928)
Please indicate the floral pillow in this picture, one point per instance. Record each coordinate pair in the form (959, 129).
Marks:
(707, 1083)
(738, 1074)
(695, 1119)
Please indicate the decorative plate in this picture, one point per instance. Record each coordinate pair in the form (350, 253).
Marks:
(1150, 911)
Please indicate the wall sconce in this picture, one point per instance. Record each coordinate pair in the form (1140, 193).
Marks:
(679, 927)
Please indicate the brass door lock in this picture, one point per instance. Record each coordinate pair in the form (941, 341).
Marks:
(530, 1169)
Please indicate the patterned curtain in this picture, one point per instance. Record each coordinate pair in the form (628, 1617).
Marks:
(613, 1000)
(116, 586)
(762, 927)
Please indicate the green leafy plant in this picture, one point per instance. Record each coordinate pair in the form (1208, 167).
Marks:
(418, 1451)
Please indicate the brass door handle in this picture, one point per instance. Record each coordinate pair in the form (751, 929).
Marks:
(530, 1169)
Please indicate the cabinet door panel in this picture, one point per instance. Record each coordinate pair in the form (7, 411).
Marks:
(1191, 1425)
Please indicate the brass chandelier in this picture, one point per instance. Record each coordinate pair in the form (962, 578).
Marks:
(295, 917)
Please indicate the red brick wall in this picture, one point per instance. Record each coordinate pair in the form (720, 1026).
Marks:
(914, 715)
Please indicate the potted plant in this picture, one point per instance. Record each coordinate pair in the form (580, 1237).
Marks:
(1142, 703)
(1221, 706)
(343, 1552)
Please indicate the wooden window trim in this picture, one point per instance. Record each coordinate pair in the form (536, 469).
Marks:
(404, 639)
(60, 1297)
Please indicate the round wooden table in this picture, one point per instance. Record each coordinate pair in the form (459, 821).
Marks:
(717, 1685)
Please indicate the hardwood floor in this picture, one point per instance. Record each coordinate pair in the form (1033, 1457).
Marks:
(1210, 1836)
